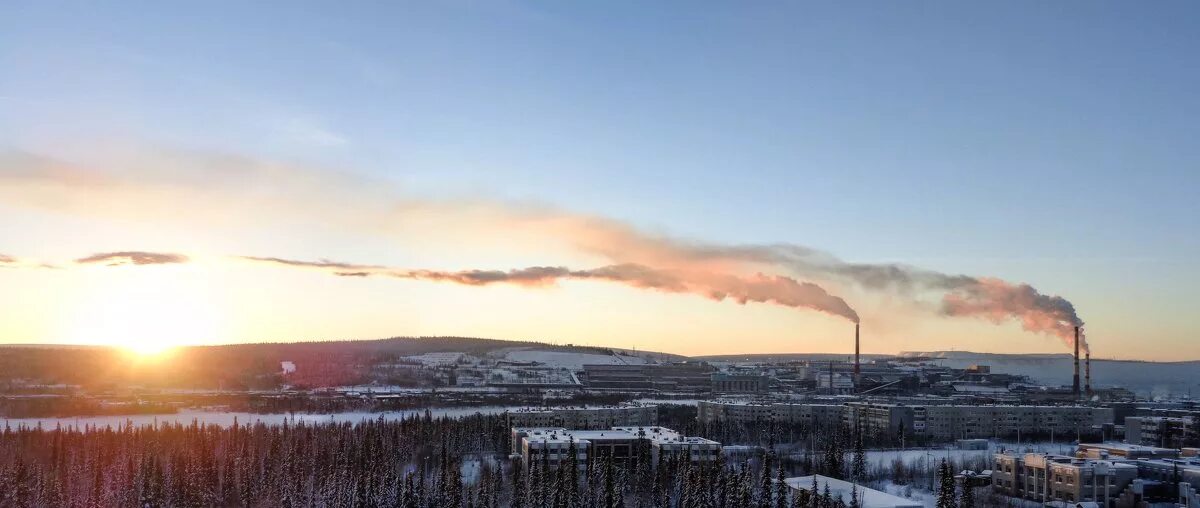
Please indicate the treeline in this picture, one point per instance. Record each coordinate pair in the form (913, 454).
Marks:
(419, 462)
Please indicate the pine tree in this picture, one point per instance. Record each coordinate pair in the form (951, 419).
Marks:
(518, 488)
(764, 483)
(858, 469)
(967, 498)
(946, 491)
(781, 488)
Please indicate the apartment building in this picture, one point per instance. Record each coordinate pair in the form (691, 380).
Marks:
(1164, 431)
(621, 443)
(946, 422)
(1058, 478)
(743, 412)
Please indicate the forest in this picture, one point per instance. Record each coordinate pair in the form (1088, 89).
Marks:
(421, 462)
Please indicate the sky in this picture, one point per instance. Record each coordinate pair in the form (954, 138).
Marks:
(713, 152)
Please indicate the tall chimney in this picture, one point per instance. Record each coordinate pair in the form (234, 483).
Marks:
(1087, 374)
(856, 368)
(1076, 385)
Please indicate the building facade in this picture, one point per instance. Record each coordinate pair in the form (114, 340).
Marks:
(584, 418)
(620, 443)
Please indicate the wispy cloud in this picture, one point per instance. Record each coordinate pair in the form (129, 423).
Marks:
(7, 261)
(132, 258)
(310, 132)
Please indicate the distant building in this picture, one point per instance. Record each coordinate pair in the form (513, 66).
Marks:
(1124, 451)
(670, 377)
(739, 383)
(867, 498)
(584, 418)
(946, 422)
(1164, 431)
(621, 443)
(742, 412)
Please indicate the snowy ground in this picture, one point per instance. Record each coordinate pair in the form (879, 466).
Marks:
(570, 360)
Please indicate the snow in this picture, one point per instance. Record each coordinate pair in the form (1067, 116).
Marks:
(868, 498)
(569, 360)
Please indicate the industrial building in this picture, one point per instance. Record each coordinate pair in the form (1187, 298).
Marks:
(740, 383)
(668, 377)
(620, 443)
(584, 418)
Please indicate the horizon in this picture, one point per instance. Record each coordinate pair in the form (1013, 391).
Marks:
(685, 178)
(535, 343)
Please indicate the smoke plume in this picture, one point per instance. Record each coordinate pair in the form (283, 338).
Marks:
(761, 288)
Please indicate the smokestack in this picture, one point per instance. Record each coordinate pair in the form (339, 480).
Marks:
(1087, 374)
(1076, 386)
(856, 368)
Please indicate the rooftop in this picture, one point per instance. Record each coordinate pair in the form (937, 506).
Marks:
(657, 435)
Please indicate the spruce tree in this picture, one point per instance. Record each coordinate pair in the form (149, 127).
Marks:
(946, 491)
(858, 469)
(967, 498)
(781, 488)
(518, 487)
(764, 482)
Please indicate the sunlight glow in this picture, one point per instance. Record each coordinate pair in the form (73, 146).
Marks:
(144, 315)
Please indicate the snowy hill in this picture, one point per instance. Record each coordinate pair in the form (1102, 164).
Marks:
(571, 359)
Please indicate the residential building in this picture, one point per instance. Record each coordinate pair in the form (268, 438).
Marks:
(621, 443)
(1163, 431)
(1059, 478)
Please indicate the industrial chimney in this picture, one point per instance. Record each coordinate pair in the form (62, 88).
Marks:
(856, 368)
(1076, 385)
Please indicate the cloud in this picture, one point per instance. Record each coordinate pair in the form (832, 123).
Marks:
(132, 258)
(14, 262)
(310, 132)
(321, 264)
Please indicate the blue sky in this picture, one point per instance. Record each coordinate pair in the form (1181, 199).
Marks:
(1047, 142)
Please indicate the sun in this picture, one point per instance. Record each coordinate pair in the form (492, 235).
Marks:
(145, 316)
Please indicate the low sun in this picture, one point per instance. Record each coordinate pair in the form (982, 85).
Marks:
(144, 319)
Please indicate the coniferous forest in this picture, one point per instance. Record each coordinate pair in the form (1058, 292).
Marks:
(416, 462)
